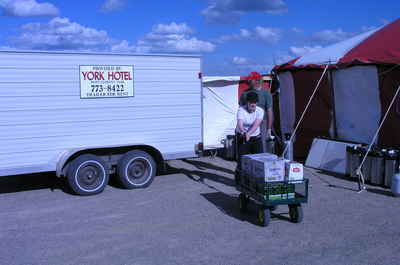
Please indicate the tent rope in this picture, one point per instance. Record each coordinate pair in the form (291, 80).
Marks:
(361, 179)
(220, 100)
(305, 110)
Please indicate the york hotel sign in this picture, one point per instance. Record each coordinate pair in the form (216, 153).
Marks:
(106, 81)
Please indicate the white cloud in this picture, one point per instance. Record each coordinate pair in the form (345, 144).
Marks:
(300, 51)
(230, 11)
(173, 37)
(267, 35)
(113, 5)
(123, 46)
(239, 60)
(297, 30)
(172, 28)
(61, 34)
(28, 8)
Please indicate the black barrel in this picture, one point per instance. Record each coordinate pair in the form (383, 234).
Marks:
(377, 171)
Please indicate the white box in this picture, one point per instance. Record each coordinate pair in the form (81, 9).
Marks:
(246, 164)
(293, 171)
(268, 169)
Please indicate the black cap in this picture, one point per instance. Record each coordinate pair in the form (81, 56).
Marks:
(252, 97)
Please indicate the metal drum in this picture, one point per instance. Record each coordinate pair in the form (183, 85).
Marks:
(391, 165)
(395, 188)
(366, 168)
(349, 157)
(229, 146)
(377, 171)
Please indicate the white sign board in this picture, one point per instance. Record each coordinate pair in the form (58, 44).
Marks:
(106, 81)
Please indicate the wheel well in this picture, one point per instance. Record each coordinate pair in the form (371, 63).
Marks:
(116, 151)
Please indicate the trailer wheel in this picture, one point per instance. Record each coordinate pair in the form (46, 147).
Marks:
(296, 213)
(264, 216)
(87, 175)
(136, 169)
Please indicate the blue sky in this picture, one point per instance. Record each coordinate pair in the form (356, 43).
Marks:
(234, 36)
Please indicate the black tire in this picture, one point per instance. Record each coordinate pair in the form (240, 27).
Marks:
(136, 169)
(243, 201)
(87, 175)
(264, 216)
(296, 213)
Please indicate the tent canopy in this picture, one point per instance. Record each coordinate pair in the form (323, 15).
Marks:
(353, 95)
(377, 46)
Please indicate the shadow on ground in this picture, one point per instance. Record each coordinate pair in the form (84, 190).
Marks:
(229, 205)
(200, 176)
(377, 189)
(40, 181)
(203, 166)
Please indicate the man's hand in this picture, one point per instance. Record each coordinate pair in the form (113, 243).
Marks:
(247, 137)
(269, 133)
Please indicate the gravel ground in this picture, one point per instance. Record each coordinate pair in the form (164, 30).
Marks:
(191, 216)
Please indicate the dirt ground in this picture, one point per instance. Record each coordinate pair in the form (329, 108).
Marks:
(190, 216)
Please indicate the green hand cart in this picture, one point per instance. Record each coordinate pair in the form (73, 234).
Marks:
(268, 195)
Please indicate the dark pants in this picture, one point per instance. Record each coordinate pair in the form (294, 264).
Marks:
(253, 146)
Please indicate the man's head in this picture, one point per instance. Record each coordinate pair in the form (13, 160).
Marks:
(255, 80)
(252, 99)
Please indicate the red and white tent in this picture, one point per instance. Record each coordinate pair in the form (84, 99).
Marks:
(362, 78)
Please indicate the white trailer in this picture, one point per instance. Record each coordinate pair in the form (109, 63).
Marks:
(86, 115)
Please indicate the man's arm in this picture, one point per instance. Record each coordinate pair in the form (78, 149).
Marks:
(240, 119)
(254, 127)
(240, 126)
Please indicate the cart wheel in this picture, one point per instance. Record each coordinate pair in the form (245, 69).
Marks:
(264, 216)
(296, 213)
(243, 203)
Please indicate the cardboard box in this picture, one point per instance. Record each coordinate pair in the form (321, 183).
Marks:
(269, 170)
(246, 164)
(293, 171)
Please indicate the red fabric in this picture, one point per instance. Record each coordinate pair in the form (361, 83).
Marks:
(254, 76)
(381, 47)
(317, 120)
(389, 81)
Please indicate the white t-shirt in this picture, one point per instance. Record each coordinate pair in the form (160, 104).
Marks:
(249, 118)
